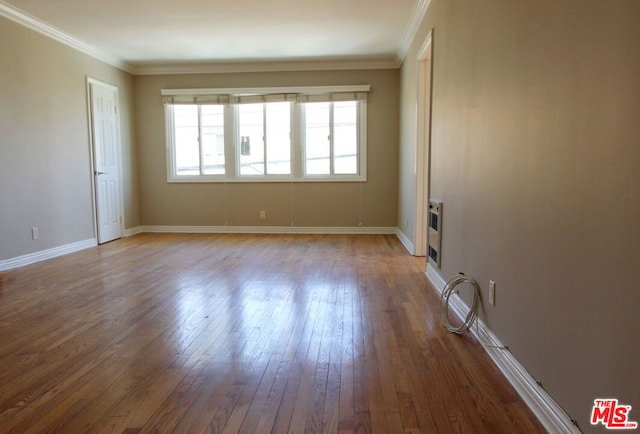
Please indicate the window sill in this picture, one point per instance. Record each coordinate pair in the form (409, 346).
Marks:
(264, 179)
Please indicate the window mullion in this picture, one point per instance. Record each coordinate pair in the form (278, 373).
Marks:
(264, 138)
(171, 140)
(234, 144)
(298, 152)
(297, 141)
(201, 148)
(331, 134)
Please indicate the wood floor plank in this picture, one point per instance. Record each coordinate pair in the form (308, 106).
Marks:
(193, 333)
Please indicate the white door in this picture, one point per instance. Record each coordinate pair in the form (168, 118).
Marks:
(106, 160)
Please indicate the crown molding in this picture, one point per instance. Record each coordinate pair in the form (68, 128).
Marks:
(392, 62)
(265, 66)
(417, 16)
(14, 14)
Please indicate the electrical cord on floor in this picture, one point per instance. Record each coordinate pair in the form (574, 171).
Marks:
(485, 344)
(447, 292)
(450, 289)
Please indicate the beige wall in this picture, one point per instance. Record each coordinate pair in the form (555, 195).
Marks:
(536, 157)
(372, 203)
(45, 172)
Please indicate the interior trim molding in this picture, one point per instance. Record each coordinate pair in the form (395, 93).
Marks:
(43, 255)
(548, 412)
(132, 231)
(265, 66)
(417, 16)
(406, 241)
(267, 230)
(328, 64)
(37, 25)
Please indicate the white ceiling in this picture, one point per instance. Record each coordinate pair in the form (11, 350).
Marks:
(143, 35)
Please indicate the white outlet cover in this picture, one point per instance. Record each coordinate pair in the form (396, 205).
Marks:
(492, 292)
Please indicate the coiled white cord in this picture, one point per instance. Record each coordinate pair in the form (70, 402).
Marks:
(448, 291)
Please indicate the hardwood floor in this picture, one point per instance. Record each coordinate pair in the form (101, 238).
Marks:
(241, 334)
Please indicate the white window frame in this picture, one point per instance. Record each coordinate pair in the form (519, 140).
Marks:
(231, 97)
(172, 176)
(361, 146)
(237, 147)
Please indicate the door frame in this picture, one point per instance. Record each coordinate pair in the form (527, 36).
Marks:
(90, 83)
(423, 143)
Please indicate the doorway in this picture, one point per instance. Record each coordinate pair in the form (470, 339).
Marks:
(423, 146)
(105, 146)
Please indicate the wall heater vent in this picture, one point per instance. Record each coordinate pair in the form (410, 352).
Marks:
(434, 237)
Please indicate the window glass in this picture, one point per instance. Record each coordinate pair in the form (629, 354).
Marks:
(251, 121)
(278, 138)
(187, 148)
(299, 136)
(317, 140)
(345, 137)
(213, 139)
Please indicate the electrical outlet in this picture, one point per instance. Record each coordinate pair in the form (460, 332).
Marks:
(34, 233)
(492, 292)
(263, 215)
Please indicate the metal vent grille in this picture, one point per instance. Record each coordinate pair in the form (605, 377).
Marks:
(434, 239)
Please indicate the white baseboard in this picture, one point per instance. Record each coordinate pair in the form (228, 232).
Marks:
(550, 414)
(31, 258)
(267, 230)
(406, 242)
(133, 231)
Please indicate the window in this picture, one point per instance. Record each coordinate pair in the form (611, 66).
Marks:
(265, 138)
(331, 138)
(268, 134)
(199, 132)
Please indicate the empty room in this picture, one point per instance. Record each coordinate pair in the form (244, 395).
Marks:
(417, 216)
